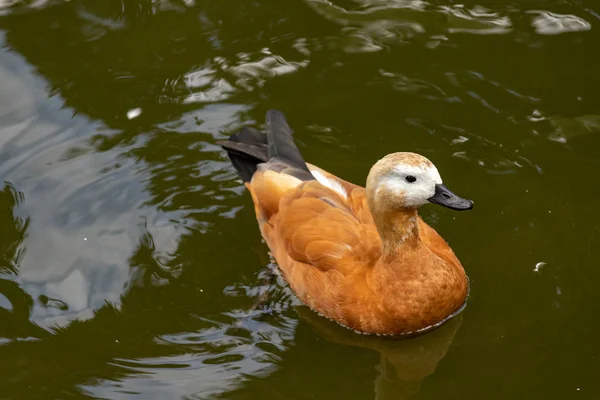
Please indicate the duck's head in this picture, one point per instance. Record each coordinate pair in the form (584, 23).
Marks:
(408, 181)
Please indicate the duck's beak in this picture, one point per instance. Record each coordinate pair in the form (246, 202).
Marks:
(444, 197)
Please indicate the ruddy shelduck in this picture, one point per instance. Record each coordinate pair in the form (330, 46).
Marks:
(362, 257)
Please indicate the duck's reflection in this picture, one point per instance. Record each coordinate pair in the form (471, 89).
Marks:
(404, 362)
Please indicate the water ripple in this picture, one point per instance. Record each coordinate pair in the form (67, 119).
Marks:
(549, 23)
(230, 349)
(400, 20)
(223, 78)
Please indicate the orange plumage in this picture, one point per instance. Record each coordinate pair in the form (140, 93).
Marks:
(360, 256)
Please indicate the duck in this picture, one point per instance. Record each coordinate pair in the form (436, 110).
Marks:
(360, 256)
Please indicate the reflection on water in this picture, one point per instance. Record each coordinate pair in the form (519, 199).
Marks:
(131, 263)
(15, 303)
(404, 362)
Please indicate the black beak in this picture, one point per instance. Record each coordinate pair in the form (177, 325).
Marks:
(444, 197)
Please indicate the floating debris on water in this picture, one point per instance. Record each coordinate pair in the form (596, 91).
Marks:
(134, 113)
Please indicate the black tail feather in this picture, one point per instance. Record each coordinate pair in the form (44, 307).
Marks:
(250, 147)
(281, 142)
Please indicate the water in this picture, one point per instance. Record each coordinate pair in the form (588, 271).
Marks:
(131, 263)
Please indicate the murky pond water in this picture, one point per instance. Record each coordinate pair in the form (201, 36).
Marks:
(131, 264)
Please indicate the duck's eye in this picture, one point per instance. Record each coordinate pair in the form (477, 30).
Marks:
(410, 179)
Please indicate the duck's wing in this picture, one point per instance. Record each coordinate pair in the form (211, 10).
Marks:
(312, 224)
(355, 196)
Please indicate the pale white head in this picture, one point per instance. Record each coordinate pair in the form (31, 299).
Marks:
(409, 180)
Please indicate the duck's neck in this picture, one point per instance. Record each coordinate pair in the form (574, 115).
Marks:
(397, 224)
(397, 228)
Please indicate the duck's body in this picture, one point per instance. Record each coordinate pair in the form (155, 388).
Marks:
(360, 256)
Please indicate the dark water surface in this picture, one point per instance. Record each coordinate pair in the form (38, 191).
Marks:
(131, 265)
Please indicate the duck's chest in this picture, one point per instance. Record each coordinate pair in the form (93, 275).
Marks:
(407, 301)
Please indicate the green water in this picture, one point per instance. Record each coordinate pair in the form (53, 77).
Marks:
(131, 265)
